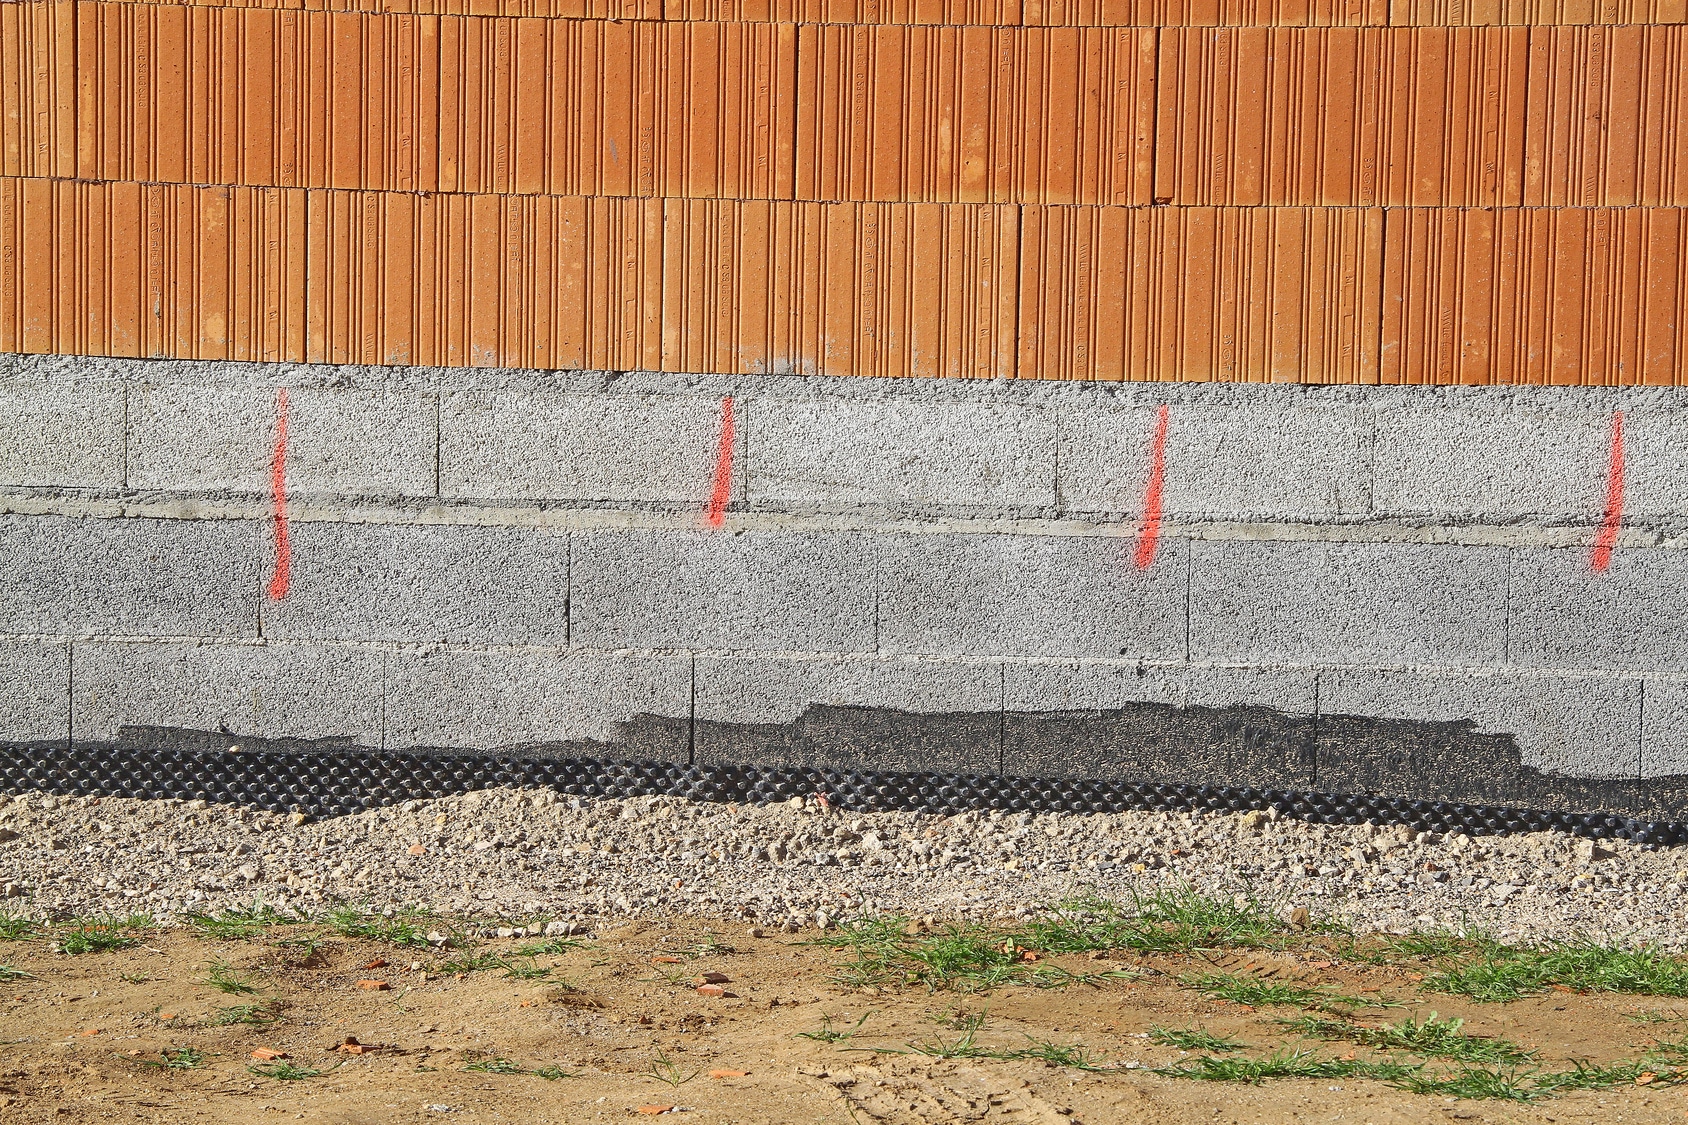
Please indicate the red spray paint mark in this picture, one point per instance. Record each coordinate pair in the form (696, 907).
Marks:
(1614, 499)
(278, 490)
(1148, 539)
(723, 467)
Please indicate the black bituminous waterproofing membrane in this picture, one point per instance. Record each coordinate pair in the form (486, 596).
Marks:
(1344, 769)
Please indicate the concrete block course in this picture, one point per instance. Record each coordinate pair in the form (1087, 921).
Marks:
(535, 445)
(143, 577)
(451, 584)
(1632, 617)
(1185, 725)
(61, 434)
(1569, 726)
(1027, 595)
(1260, 602)
(339, 442)
(1492, 465)
(798, 591)
(34, 690)
(866, 713)
(901, 454)
(1222, 462)
(1664, 719)
(264, 691)
(489, 700)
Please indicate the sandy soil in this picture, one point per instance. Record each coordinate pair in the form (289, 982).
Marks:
(83, 1037)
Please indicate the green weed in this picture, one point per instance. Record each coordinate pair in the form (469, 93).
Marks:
(525, 970)
(1258, 993)
(1072, 1055)
(1194, 1039)
(551, 1073)
(497, 1066)
(665, 1070)
(102, 933)
(238, 924)
(469, 962)
(405, 928)
(548, 947)
(826, 1033)
(1475, 1083)
(16, 928)
(1502, 973)
(1283, 1063)
(181, 1058)
(9, 974)
(254, 1015)
(1431, 1037)
(225, 980)
(284, 1071)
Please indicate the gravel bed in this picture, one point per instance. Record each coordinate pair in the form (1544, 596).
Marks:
(531, 856)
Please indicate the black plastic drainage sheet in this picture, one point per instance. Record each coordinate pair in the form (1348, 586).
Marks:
(335, 783)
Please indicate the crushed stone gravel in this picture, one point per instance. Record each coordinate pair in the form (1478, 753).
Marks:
(529, 857)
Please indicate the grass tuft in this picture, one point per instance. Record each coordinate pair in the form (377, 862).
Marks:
(253, 1015)
(1500, 973)
(549, 947)
(1194, 1039)
(237, 924)
(284, 1071)
(103, 933)
(1431, 1037)
(498, 1065)
(180, 1058)
(405, 928)
(826, 1033)
(225, 980)
(1283, 1063)
(9, 974)
(14, 927)
(1256, 993)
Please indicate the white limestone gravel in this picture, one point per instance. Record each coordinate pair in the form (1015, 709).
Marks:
(530, 856)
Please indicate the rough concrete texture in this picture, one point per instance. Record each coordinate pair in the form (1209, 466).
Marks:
(1225, 462)
(62, 435)
(1581, 726)
(194, 578)
(1633, 617)
(549, 446)
(802, 592)
(269, 691)
(902, 454)
(1347, 603)
(34, 691)
(909, 572)
(1027, 595)
(339, 442)
(485, 700)
(495, 585)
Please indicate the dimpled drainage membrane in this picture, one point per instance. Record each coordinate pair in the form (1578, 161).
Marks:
(338, 782)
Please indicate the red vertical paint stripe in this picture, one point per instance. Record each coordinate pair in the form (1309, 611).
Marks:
(1614, 499)
(278, 492)
(1148, 538)
(723, 490)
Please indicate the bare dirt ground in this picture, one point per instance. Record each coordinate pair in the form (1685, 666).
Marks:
(250, 1020)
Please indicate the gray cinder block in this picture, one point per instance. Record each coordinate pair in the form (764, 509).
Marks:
(196, 578)
(34, 690)
(427, 582)
(905, 453)
(264, 691)
(61, 434)
(860, 713)
(1261, 602)
(1221, 462)
(632, 706)
(513, 444)
(1146, 724)
(1498, 737)
(1632, 617)
(1448, 463)
(339, 442)
(1031, 595)
(796, 591)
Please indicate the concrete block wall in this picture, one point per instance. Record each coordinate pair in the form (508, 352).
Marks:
(1351, 589)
